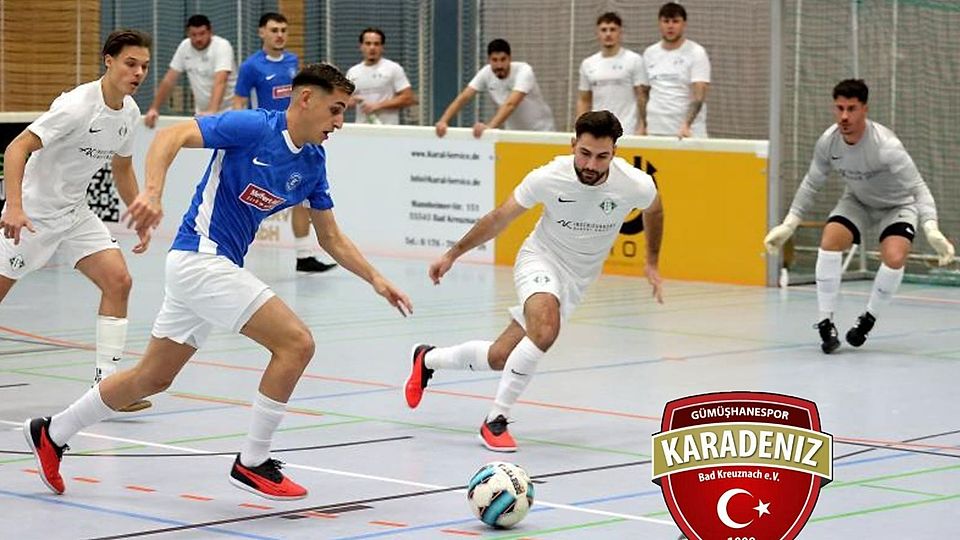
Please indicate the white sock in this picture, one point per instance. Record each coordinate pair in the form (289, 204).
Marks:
(471, 355)
(305, 246)
(517, 372)
(267, 415)
(829, 272)
(111, 339)
(84, 412)
(885, 285)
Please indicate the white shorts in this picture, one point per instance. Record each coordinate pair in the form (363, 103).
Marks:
(536, 272)
(70, 237)
(203, 291)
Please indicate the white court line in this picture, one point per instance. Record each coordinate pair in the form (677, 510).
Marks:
(362, 476)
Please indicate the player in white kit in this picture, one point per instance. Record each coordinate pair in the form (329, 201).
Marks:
(382, 85)
(679, 73)
(211, 69)
(46, 212)
(883, 189)
(586, 197)
(512, 87)
(613, 78)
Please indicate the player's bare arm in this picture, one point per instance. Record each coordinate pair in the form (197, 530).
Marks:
(216, 94)
(643, 96)
(484, 230)
(345, 252)
(653, 235)
(163, 92)
(125, 179)
(584, 103)
(403, 98)
(698, 98)
(465, 96)
(14, 162)
(146, 210)
(504, 112)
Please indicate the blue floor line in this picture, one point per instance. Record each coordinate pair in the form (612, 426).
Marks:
(52, 499)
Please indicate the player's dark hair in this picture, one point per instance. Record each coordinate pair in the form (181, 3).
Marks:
(498, 45)
(374, 30)
(600, 124)
(271, 16)
(852, 88)
(672, 10)
(324, 75)
(609, 17)
(197, 21)
(118, 39)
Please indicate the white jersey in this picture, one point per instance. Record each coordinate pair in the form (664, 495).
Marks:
(613, 81)
(80, 134)
(201, 66)
(376, 83)
(877, 171)
(533, 113)
(671, 74)
(581, 222)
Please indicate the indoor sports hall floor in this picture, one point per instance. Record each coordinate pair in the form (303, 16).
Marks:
(378, 470)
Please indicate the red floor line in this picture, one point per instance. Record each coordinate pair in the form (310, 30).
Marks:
(458, 532)
(315, 514)
(85, 479)
(239, 403)
(256, 506)
(141, 488)
(31, 471)
(387, 523)
(195, 497)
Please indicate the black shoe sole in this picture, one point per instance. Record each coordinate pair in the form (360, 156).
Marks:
(829, 346)
(855, 340)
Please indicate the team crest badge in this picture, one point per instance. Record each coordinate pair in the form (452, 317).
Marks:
(293, 181)
(607, 206)
(741, 464)
(16, 262)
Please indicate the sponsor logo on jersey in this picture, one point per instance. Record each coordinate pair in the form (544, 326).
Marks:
(260, 198)
(96, 153)
(282, 91)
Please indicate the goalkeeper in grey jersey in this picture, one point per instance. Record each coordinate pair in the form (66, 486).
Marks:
(883, 190)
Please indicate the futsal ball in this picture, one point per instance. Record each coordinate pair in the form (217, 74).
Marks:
(500, 494)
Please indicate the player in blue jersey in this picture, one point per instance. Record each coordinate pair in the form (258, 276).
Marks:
(264, 82)
(263, 162)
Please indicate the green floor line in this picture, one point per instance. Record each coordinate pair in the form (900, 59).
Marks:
(884, 508)
(542, 532)
(902, 490)
(841, 484)
(438, 428)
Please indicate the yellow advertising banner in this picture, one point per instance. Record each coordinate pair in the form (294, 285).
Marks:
(715, 211)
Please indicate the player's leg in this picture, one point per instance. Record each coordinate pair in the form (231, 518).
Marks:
(541, 313)
(842, 230)
(95, 254)
(305, 243)
(47, 437)
(291, 345)
(897, 230)
(475, 355)
(5, 285)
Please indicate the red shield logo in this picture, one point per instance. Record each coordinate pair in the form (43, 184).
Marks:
(741, 464)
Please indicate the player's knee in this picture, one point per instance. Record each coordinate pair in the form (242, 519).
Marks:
(153, 383)
(894, 260)
(543, 335)
(119, 285)
(302, 345)
(497, 357)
